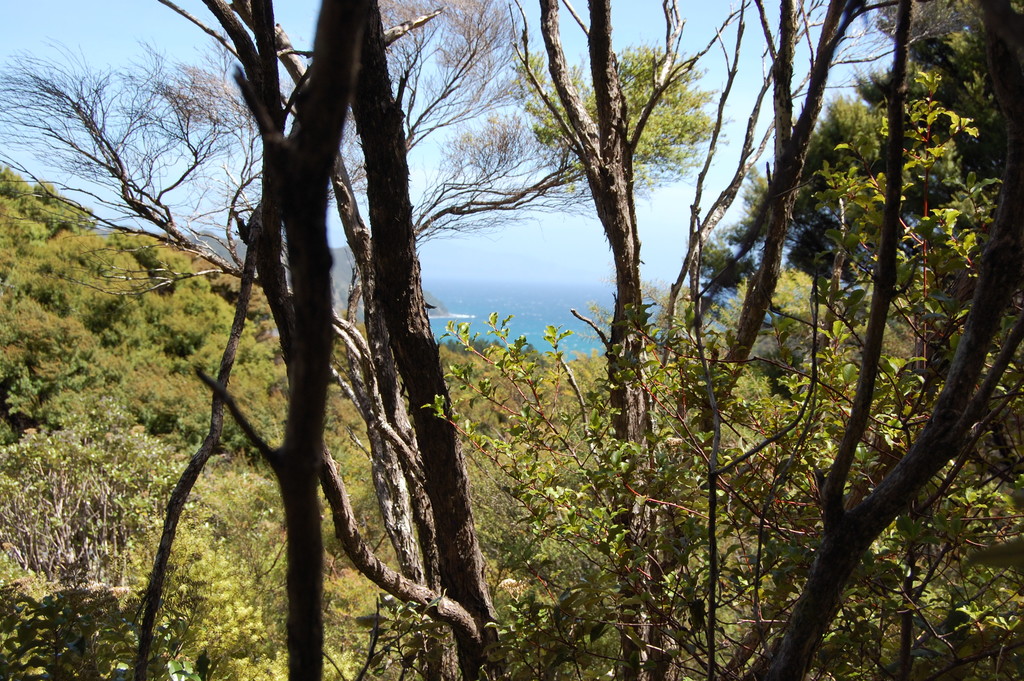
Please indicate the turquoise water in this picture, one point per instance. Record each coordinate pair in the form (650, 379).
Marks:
(533, 306)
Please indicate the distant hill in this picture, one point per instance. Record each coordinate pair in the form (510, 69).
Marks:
(439, 308)
(341, 274)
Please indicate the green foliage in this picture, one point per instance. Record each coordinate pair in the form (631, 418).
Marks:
(851, 140)
(591, 537)
(215, 607)
(99, 407)
(953, 115)
(81, 634)
(601, 546)
(77, 325)
(668, 148)
(1005, 554)
(223, 589)
(600, 549)
(210, 625)
(965, 86)
(33, 213)
(670, 144)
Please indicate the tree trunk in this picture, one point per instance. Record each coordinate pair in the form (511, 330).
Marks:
(791, 145)
(397, 465)
(604, 150)
(391, 479)
(611, 184)
(399, 294)
(400, 465)
(296, 177)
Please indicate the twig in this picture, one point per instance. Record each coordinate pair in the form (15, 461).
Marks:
(395, 32)
(272, 455)
(592, 324)
(575, 15)
(374, 636)
(203, 27)
(576, 390)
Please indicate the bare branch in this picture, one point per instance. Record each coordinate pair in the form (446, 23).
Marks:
(490, 172)
(155, 142)
(536, 82)
(245, 48)
(700, 229)
(273, 456)
(593, 325)
(395, 32)
(346, 530)
(667, 75)
(575, 15)
(454, 68)
(582, 128)
(203, 27)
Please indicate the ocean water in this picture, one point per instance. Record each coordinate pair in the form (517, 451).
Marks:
(533, 306)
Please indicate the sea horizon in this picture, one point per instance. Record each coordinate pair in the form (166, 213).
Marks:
(532, 305)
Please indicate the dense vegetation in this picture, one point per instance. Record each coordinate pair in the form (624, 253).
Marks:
(810, 461)
(101, 338)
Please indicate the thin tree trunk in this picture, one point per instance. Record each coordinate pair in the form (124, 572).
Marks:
(792, 140)
(179, 496)
(603, 147)
(297, 172)
(397, 466)
(611, 184)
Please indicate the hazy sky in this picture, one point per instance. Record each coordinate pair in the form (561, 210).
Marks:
(545, 247)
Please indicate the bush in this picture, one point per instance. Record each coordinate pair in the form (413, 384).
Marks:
(74, 501)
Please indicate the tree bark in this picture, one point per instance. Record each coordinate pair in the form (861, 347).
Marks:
(607, 157)
(402, 470)
(296, 175)
(396, 464)
(603, 146)
(259, 63)
(389, 479)
(399, 294)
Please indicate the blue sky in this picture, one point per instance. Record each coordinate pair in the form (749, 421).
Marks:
(542, 248)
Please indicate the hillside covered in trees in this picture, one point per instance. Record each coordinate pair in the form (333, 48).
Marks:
(803, 458)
